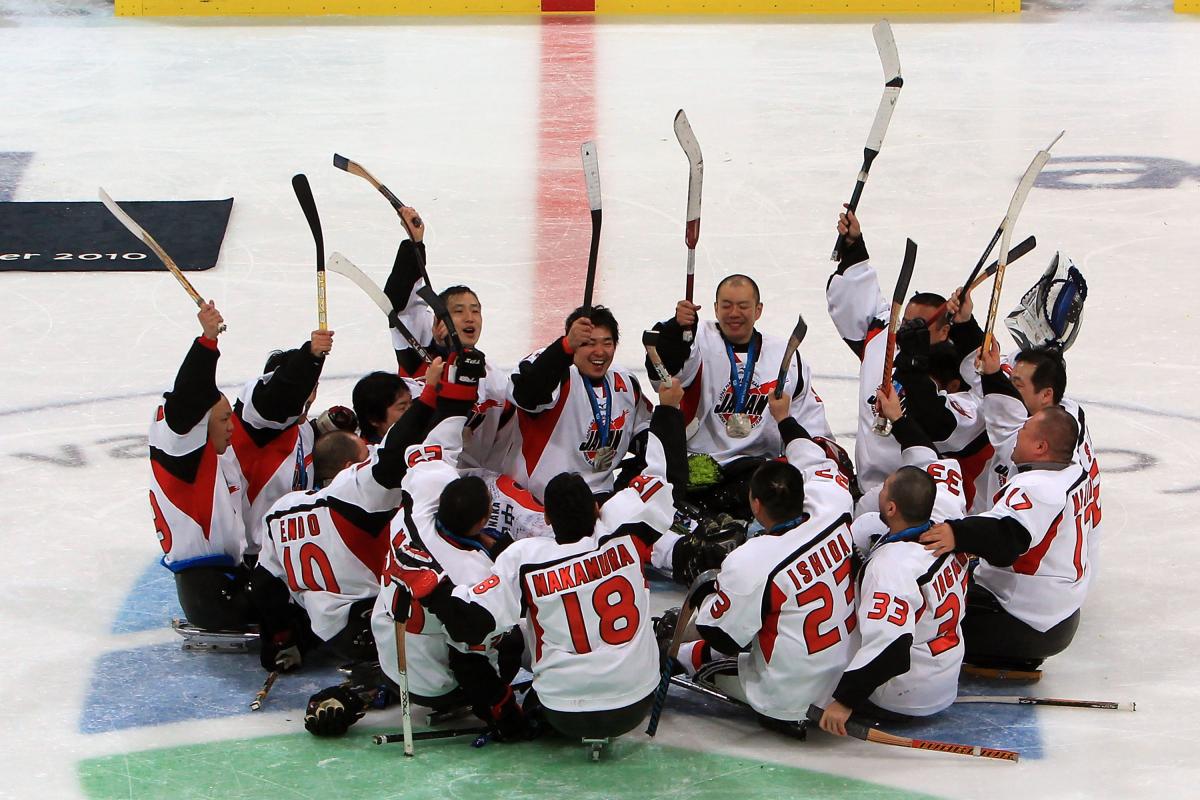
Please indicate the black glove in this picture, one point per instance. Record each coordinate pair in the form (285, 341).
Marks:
(706, 548)
(332, 711)
(504, 718)
(280, 652)
(465, 371)
(912, 346)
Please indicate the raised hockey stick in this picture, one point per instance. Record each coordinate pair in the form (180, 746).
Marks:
(148, 240)
(591, 177)
(1047, 701)
(885, 43)
(686, 612)
(354, 168)
(424, 736)
(869, 734)
(977, 279)
(650, 342)
(991, 673)
(1007, 225)
(309, 206)
(794, 341)
(442, 313)
(261, 696)
(343, 266)
(691, 229)
(882, 426)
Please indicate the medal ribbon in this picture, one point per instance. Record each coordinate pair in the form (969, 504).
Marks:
(741, 383)
(603, 422)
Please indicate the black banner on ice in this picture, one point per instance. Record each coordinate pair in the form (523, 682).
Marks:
(85, 237)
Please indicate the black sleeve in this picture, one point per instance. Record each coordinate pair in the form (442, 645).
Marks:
(720, 640)
(283, 394)
(1000, 542)
(672, 349)
(469, 623)
(967, 337)
(480, 682)
(908, 433)
(857, 685)
(927, 408)
(666, 423)
(410, 429)
(851, 255)
(195, 390)
(406, 271)
(791, 430)
(536, 380)
(998, 383)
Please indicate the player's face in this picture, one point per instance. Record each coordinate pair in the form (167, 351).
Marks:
(1022, 381)
(737, 310)
(1028, 446)
(396, 410)
(220, 425)
(594, 358)
(467, 314)
(885, 500)
(939, 329)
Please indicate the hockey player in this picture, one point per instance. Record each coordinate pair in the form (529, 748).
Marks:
(910, 601)
(1037, 547)
(272, 437)
(379, 399)
(584, 594)
(861, 317)
(784, 600)
(491, 427)
(576, 413)
(196, 490)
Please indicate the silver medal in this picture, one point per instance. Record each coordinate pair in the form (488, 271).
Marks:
(882, 426)
(737, 425)
(603, 460)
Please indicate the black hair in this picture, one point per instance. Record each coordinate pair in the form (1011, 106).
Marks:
(779, 486)
(570, 507)
(600, 316)
(371, 397)
(1061, 432)
(913, 491)
(739, 278)
(932, 299)
(463, 504)
(451, 291)
(944, 363)
(332, 452)
(1049, 370)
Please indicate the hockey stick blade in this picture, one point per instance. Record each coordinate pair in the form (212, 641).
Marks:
(148, 240)
(343, 266)
(901, 291)
(309, 206)
(977, 279)
(591, 178)
(691, 148)
(354, 168)
(794, 342)
(889, 56)
(650, 342)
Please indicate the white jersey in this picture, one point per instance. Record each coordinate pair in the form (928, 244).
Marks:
(587, 604)
(275, 458)
(710, 397)
(1061, 511)
(790, 597)
(195, 495)
(426, 643)
(516, 513)
(906, 590)
(562, 434)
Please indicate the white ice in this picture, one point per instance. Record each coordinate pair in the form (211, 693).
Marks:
(447, 113)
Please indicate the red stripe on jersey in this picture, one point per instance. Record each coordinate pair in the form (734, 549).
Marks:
(515, 491)
(416, 374)
(770, 627)
(536, 429)
(643, 550)
(972, 467)
(260, 463)
(1028, 563)
(691, 397)
(193, 499)
(538, 633)
(698, 652)
(871, 334)
(372, 551)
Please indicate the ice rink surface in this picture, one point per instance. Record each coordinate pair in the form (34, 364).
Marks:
(477, 124)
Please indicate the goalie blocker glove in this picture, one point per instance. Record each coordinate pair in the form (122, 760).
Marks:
(1051, 312)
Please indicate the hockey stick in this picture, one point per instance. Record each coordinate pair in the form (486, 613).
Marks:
(425, 736)
(990, 673)
(1046, 701)
(402, 668)
(591, 176)
(443, 314)
(691, 230)
(343, 266)
(882, 426)
(261, 696)
(148, 240)
(794, 341)
(885, 43)
(869, 734)
(692, 686)
(686, 612)
(977, 279)
(309, 206)
(650, 342)
(1010, 219)
(354, 168)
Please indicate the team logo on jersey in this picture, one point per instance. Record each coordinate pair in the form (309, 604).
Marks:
(756, 403)
(591, 440)
(479, 412)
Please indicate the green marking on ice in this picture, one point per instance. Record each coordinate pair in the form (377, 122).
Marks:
(302, 766)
